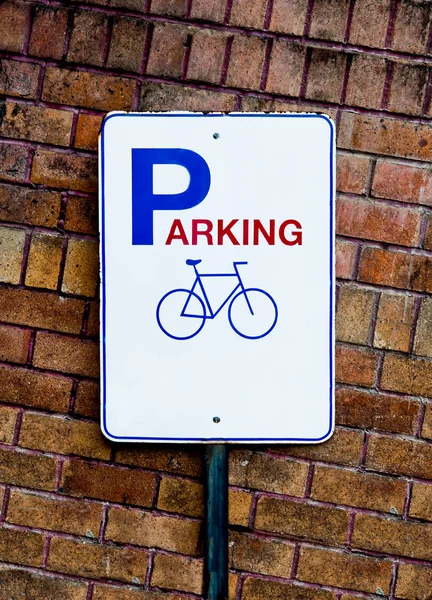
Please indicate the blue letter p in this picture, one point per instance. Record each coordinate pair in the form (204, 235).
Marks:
(145, 202)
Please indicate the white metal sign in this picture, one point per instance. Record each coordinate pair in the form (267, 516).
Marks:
(217, 277)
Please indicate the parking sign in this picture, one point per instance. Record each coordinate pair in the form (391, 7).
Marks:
(217, 238)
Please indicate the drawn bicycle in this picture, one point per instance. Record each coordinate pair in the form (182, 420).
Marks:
(181, 313)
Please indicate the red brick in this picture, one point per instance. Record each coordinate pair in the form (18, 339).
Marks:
(367, 410)
(352, 173)
(181, 496)
(127, 44)
(32, 207)
(411, 27)
(406, 183)
(87, 131)
(326, 74)
(427, 241)
(36, 390)
(397, 455)
(344, 570)
(93, 322)
(66, 354)
(423, 338)
(354, 314)
(110, 592)
(176, 8)
(407, 375)
(18, 78)
(13, 17)
(312, 522)
(177, 573)
(177, 461)
(28, 470)
(345, 259)
(88, 37)
(81, 215)
(259, 104)
(13, 161)
(87, 399)
(414, 582)
(48, 32)
(81, 272)
(91, 90)
(260, 555)
(61, 170)
(246, 62)
(8, 417)
(167, 50)
(264, 589)
(248, 14)
(69, 516)
(207, 55)
(89, 559)
(209, 10)
(163, 97)
(152, 530)
(14, 344)
(41, 309)
(421, 501)
(12, 243)
(329, 19)
(394, 321)
(427, 423)
(381, 135)
(384, 267)
(366, 81)
(239, 507)
(23, 547)
(37, 123)
(392, 536)
(421, 273)
(81, 479)
(370, 21)
(407, 89)
(289, 16)
(137, 5)
(358, 489)
(286, 68)
(43, 266)
(357, 366)
(19, 583)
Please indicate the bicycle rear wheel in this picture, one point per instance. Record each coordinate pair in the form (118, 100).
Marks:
(257, 323)
(181, 314)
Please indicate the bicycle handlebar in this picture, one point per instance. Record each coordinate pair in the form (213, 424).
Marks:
(240, 263)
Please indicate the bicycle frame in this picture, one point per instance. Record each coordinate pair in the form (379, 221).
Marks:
(198, 282)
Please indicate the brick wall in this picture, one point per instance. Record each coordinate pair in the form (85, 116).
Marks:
(84, 519)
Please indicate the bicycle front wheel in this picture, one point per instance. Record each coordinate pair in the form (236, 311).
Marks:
(252, 313)
(181, 314)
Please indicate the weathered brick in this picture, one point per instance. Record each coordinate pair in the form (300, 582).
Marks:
(91, 90)
(41, 309)
(66, 354)
(239, 507)
(23, 547)
(8, 417)
(69, 516)
(13, 161)
(346, 253)
(286, 68)
(344, 448)
(209, 10)
(48, 32)
(32, 207)
(87, 131)
(178, 461)
(339, 569)
(354, 314)
(355, 365)
(384, 267)
(12, 243)
(43, 266)
(104, 482)
(326, 74)
(246, 62)
(14, 344)
(207, 55)
(414, 582)
(392, 536)
(81, 215)
(394, 321)
(427, 241)
(352, 173)
(93, 322)
(248, 14)
(181, 496)
(376, 411)
(399, 181)
(421, 273)
(267, 473)
(152, 530)
(137, 5)
(127, 44)
(61, 170)
(369, 23)
(167, 50)
(329, 19)
(423, 338)
(427, 423)
(81, 272)
(358, 489)
(18, 78)
(110, 592)
(421, 501)
(28, 470)
(289, 16)
(411, 27)
(407, 88)
(177, 573)
(382, 135)
(18, 583)
(396, 455)
(260, 555)
(378, 221)
(89, 559)
(260, 104)
(407, 375)
(88, 37)
(319, 523)
(13, 17)
(87, 399)
(36, 123)
(164, 97)
(366, 81)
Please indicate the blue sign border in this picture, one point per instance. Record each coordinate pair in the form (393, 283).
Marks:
(103, 307)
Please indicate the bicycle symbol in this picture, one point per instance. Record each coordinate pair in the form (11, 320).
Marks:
(181, 313)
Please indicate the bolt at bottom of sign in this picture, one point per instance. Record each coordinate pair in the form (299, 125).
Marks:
(216, 420)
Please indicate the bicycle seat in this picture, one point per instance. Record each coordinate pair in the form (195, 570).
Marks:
(193, 263)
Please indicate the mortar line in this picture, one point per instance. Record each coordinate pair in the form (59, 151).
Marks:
(26, 252)
(349, 21)
(108, 39)
(308, 19)
(266, 65)
(268, 14)
(417, 307)
(226, 60)
(228, 10)
(29, 26)
(391, 24)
